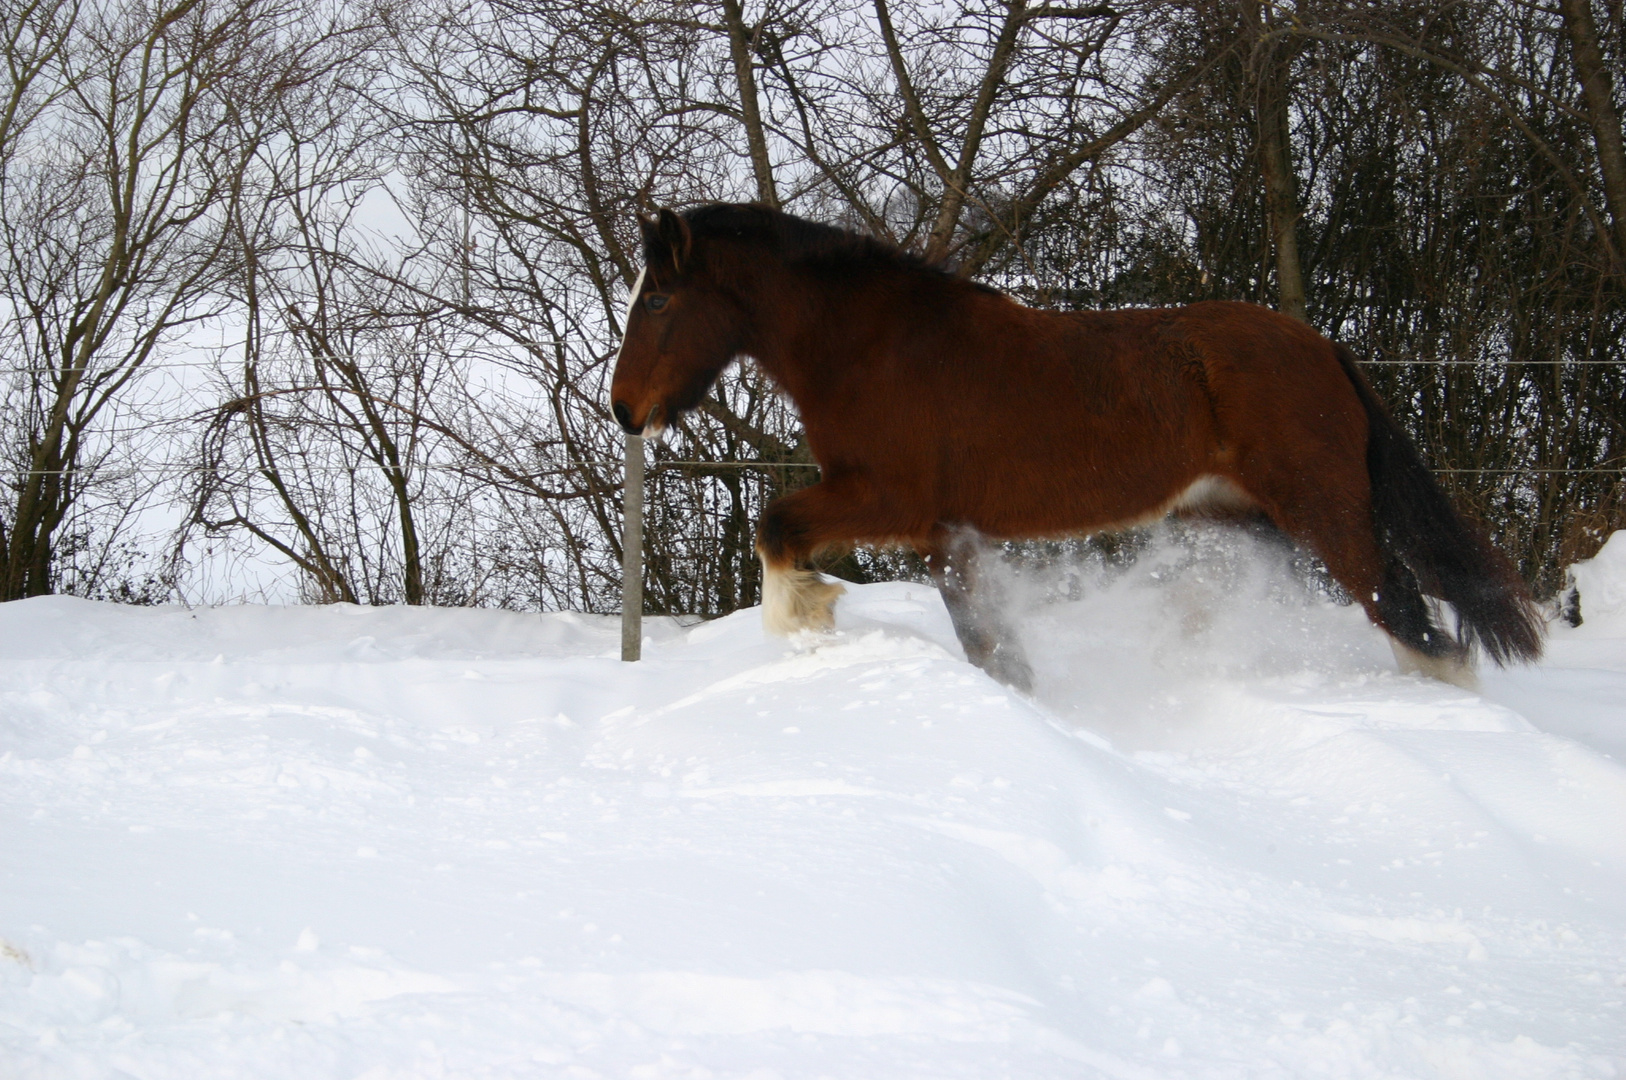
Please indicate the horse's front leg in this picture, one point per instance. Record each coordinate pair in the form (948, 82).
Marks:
(793, 530)
(988, 640)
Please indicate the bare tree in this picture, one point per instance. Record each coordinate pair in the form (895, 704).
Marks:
(413, 226)
(113, 234)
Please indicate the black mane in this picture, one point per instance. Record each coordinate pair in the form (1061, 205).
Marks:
(801, 241)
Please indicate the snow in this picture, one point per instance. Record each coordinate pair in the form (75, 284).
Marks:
(1224, 839)
(1601, 581)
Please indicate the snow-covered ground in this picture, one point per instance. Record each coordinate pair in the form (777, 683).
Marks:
(1224, 840)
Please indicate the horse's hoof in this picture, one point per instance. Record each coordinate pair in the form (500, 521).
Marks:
(1452, 669)
(795, 600)
(1003, 661)
(1010, 669)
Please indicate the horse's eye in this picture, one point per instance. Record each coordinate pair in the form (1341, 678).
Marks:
(655, 301)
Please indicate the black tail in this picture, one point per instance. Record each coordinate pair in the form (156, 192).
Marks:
(1429, 547)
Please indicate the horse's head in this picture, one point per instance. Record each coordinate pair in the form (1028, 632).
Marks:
(681, 329)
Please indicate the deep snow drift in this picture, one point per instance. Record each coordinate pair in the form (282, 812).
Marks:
(1225, 840)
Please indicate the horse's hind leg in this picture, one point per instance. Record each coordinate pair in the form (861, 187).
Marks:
(1329, 511)
(987, 639)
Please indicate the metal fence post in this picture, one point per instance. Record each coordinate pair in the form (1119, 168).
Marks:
(632, 552)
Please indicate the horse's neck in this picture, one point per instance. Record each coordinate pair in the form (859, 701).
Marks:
(792, 339)
(810, 335)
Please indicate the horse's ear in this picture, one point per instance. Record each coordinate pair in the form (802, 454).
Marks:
(666, 241)
(674, 232)
(655, 253)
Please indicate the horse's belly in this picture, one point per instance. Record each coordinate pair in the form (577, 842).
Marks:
(1052, 496)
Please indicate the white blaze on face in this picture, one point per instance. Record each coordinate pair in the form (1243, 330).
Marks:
(626, 316)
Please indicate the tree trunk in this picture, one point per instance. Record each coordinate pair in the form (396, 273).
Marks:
(756, 140)
(1276, 163)
(1593, 72)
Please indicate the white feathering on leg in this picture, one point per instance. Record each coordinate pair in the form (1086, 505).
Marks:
(1447, 669)
(794, 599)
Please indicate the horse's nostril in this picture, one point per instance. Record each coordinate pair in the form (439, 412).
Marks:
(623, 416)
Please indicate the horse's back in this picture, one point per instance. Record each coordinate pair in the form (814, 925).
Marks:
(1069, 422)
(1023, 422)
(1129, 409)
(1278, 388)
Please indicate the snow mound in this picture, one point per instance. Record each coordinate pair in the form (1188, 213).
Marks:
(1223, 840)
(1601, 583)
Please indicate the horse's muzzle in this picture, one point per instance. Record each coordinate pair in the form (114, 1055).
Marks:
(623, 416)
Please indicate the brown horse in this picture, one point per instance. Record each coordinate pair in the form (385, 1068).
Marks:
(938, 408)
